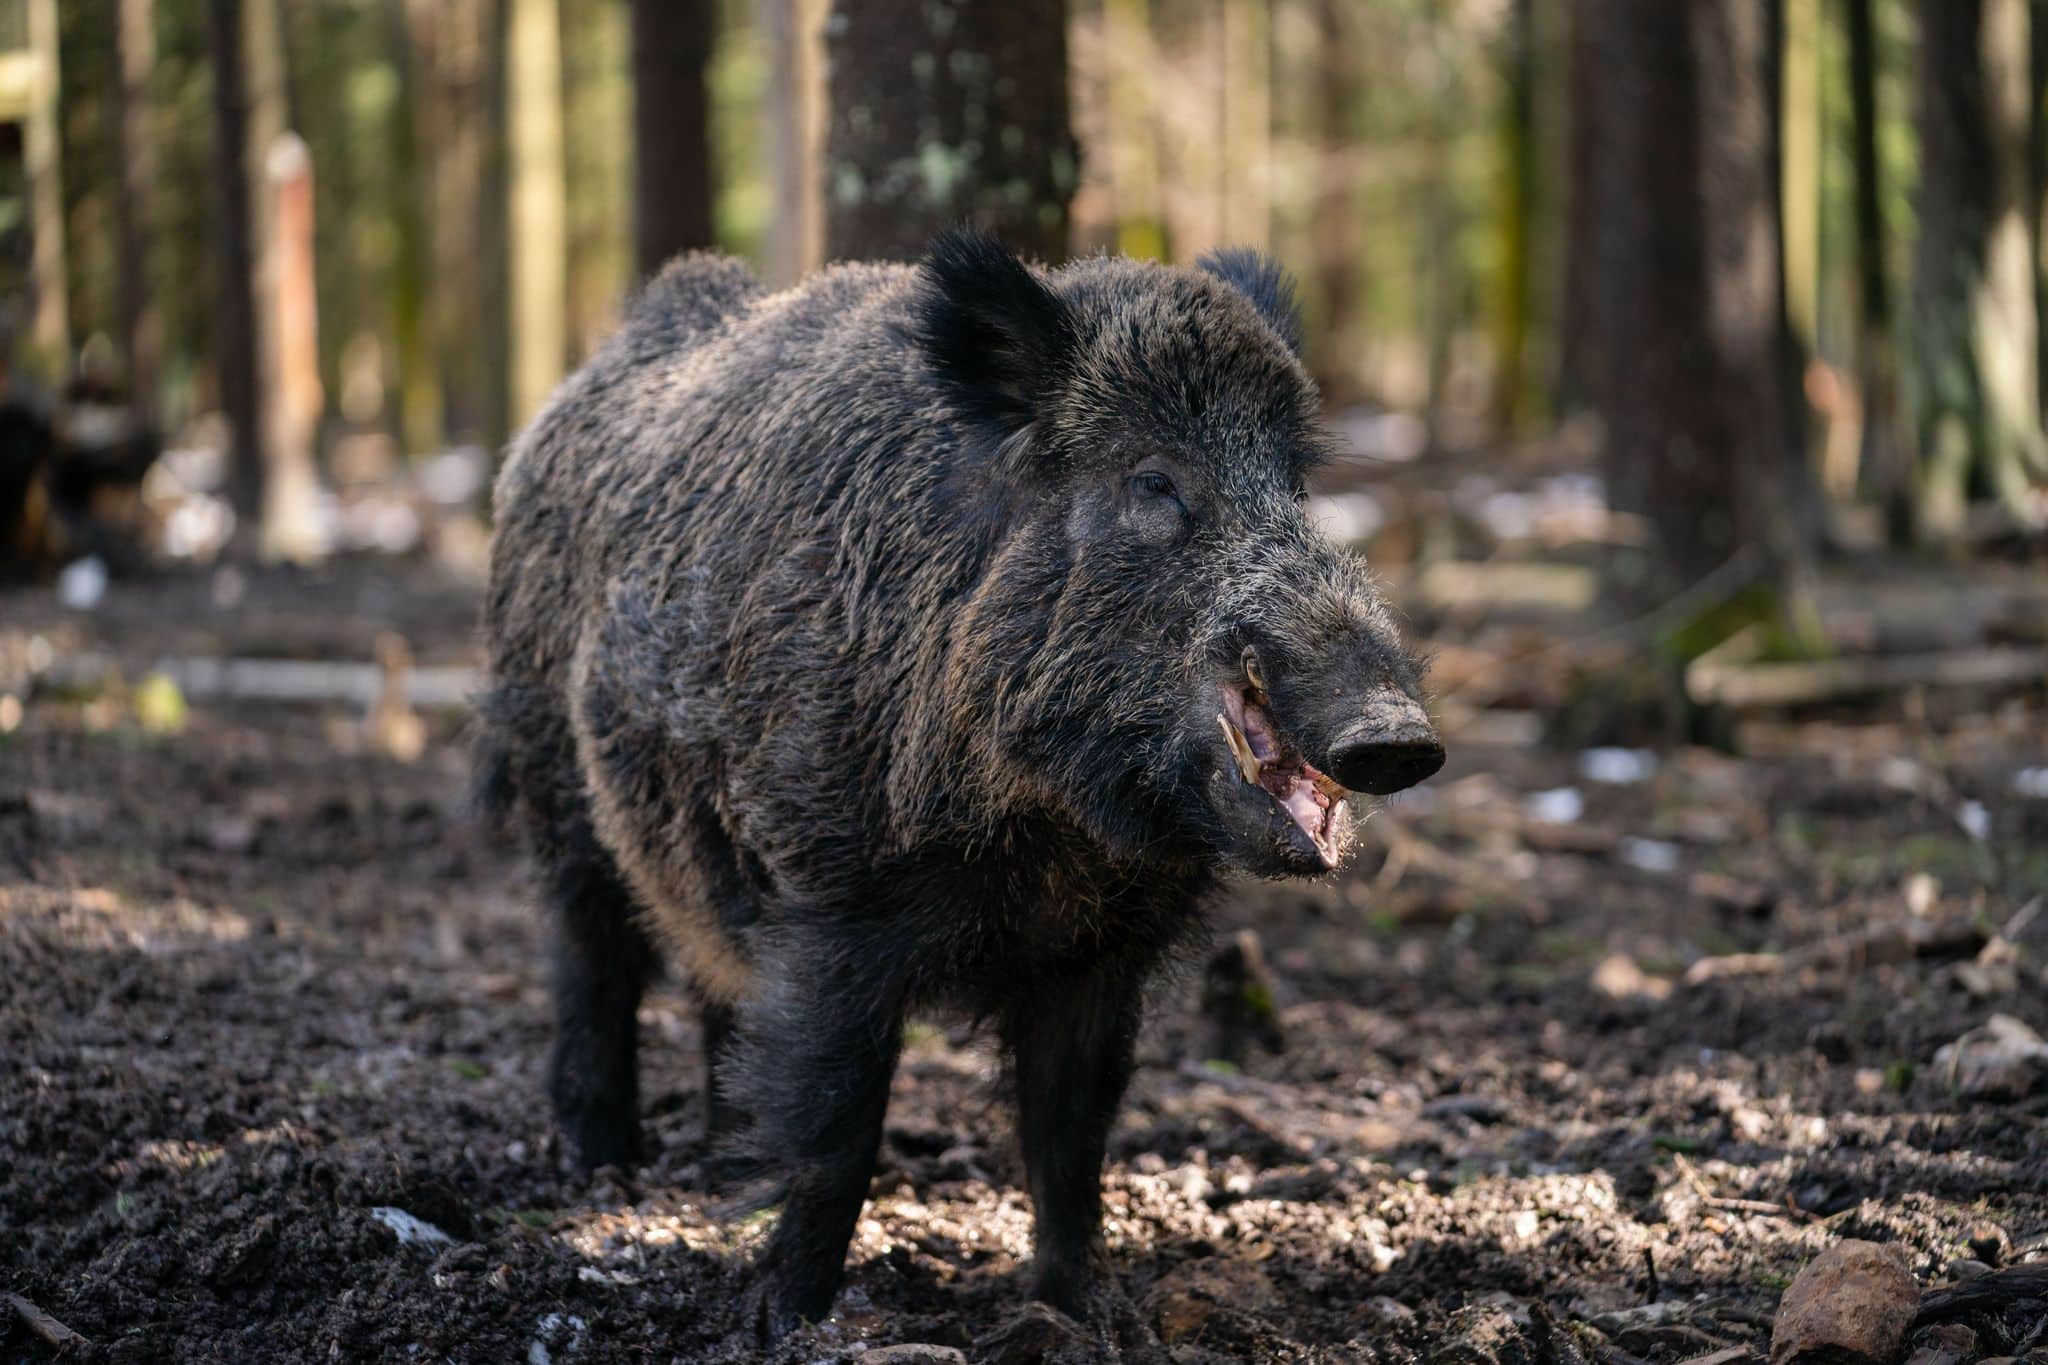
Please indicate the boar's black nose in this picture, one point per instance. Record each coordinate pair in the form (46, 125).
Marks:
(1382, 759)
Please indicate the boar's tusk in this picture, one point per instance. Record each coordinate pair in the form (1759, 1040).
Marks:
(1240, 749)
(1251, 670)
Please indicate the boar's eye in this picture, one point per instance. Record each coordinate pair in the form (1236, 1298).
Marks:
(1155, 510)
(1153, 484)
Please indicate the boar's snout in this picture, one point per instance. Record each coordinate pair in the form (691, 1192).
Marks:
(1388, 749)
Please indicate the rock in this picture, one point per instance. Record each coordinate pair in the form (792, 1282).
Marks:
(1382, 1311)
(1037, 1334)
(1484, 1335)
(1851, 1305)
(2003, 1059)
(1619, 978)
(911, 1353)
(1190, 1294)
(1944, 1345)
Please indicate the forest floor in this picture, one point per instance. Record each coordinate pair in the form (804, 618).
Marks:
(1570, 1068)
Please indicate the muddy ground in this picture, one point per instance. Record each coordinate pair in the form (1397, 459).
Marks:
(1549, 1088)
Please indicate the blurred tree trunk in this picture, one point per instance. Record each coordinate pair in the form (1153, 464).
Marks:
(947, 114)
(1791, 85)
(1334, 225)
(235, 353)
(419, 389)
(1885, 463)
(465, 233)
(135, 171)
(538, 223)
(1245, 79)
(1133, 59)
(792, 105)
(671, 129)
(2037, 180)
(1517, 212)
(1579, 364)
(1974, 365)
(1795, 42)
(1688, 272)
(42, 143)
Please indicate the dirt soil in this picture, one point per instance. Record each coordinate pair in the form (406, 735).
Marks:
(273, 1020)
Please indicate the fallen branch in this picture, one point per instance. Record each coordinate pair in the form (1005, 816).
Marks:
(43, 1325)
(1740, 686)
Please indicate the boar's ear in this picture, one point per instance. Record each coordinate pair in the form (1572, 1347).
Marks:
(997, 337)
(1259, 278)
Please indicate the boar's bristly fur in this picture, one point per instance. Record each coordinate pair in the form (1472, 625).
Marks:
(921, 636)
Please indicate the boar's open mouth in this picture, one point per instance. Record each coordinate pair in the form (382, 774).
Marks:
(1313, 800)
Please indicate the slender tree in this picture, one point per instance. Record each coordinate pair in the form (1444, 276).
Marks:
(1334, 223)
(942, 114)
(1885, 456)
(1973, 368)
(1689, 284)
(792, 107)
(535, 184)
(1580, 370)
(42, 144)
(135, 163)
(1516, 212)
(235, 348)
(671, 129)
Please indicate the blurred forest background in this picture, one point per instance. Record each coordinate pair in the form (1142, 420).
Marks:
(1781, 260)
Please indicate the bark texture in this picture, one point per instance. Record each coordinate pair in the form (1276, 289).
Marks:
(944, 114)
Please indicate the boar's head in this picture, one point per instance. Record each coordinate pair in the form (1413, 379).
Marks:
(1160, 644)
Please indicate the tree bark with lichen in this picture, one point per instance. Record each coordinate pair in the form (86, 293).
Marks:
(943, 114)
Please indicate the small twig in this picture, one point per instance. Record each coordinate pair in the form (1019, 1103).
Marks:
(1653, 1290)
(1724, 1203)
(43, 1325)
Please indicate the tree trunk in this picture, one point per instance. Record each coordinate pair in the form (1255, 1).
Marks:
(135, 163)
(1516, 215)
(1580, 368)
(419, 389)
(792, 107)
(1335, 227)
(1973, 371)
(2007, 326)
(1689, 271)
(42, 143)
(465, 233)
(945, 114)
(234, 246)
(1791, 91)
(539, 214)
(671, 129)
(1884, 459)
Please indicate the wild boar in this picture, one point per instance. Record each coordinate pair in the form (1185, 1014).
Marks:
(922, 636)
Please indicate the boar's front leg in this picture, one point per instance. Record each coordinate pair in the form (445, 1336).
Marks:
(815, 1055)
(1072, 1046)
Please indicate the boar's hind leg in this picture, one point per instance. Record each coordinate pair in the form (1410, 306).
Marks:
(603, 962)
(722, 1118)
(815, 1055)
(1072, 1048)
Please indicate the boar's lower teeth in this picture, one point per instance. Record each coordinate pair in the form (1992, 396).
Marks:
(1312, 799)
